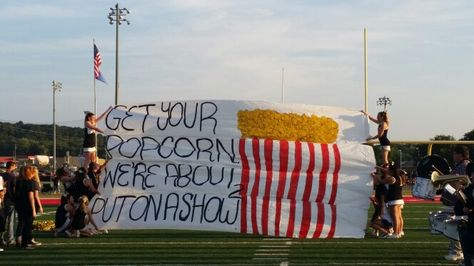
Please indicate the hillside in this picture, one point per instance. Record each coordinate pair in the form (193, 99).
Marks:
(32, 139)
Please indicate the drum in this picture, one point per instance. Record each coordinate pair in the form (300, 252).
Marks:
(451, 229)
(425, 167)
(437, 221)
(423, 188)
(431, 223)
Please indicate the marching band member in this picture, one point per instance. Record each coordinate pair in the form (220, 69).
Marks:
(465, 207)
(461, 159)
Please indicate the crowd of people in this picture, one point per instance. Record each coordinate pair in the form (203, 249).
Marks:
(19, 194)
(20, 203)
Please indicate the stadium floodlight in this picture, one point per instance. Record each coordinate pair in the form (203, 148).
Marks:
(117, 16)
(57, 86)
(384, 101)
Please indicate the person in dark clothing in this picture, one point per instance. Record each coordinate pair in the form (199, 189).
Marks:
(2, 213)
(378, 202)
(466, 226)
(64, 215)
(82, 186)
(382, 132)
(25, 206)
(461, 160)
(9, 179)
(94, 172)
(393, 179)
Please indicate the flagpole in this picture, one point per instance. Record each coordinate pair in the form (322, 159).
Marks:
(282, 85)
(95, 91)
(366, 89)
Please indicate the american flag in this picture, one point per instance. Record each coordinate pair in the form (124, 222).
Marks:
(97, 63)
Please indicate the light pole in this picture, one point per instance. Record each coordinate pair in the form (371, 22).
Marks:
(117, 15)
(400, 154)
(57, 86)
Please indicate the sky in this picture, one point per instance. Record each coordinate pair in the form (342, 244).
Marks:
(420, 55)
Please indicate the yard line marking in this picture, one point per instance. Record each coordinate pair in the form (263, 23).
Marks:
(376, 263)
(270, 250)
(364, 242)
(272, 254)
(278, 252)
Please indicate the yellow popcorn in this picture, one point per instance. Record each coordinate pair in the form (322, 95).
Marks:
(269, 124)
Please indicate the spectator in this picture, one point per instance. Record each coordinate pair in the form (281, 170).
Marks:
(25, 206)
(2, 213)
(64, 215)
(382, 121)
(90, 131)
(82, 218)
(37, 183)
(9, 179)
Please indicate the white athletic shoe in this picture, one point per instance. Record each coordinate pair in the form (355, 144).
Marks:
(1, 249)
(454, 257)
(393, 236)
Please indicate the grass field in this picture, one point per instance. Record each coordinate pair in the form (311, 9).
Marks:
(418, 247)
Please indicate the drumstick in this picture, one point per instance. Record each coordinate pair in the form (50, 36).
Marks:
(437, 170)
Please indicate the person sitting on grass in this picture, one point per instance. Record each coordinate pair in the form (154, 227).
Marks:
(64, 215)
(82, 218)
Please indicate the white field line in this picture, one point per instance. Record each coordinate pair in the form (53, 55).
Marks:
(279, 251)
(244, 243)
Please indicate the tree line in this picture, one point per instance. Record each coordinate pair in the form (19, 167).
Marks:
(33, 139)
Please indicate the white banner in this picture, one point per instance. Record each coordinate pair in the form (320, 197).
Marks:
(238, 166)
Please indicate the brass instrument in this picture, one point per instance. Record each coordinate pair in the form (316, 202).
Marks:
(457, 181)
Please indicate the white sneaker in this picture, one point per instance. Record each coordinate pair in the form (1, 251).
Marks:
(454, 257)
(1, 249)
(393, 236)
